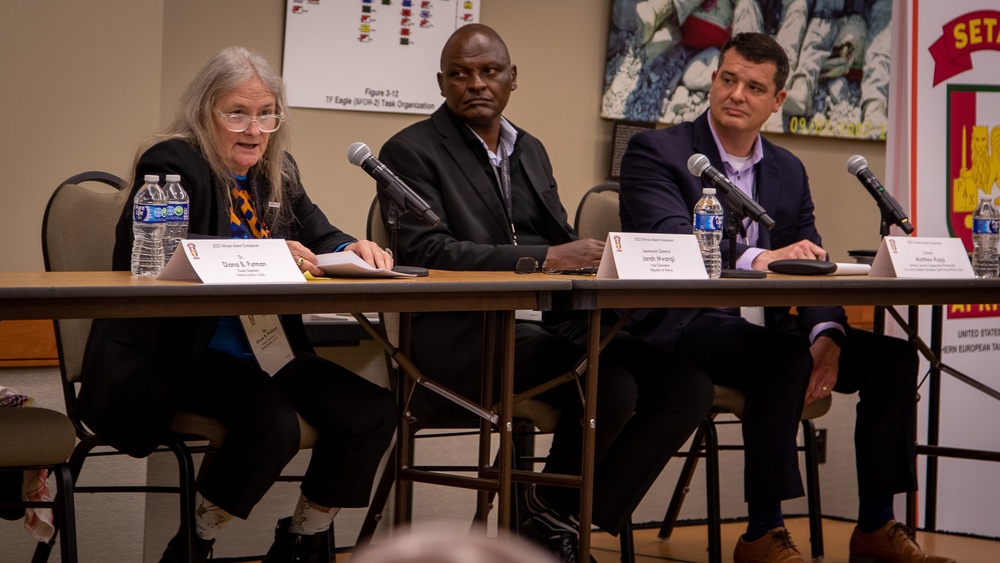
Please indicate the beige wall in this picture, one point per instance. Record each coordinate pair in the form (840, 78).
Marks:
(80, 87)
(84, 82)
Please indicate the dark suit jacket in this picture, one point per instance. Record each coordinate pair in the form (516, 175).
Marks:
(131, 389)
(658, 195)
(437, 159)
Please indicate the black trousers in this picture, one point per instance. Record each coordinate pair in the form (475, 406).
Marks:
(355, 419)
(648, 404)
(773, 368)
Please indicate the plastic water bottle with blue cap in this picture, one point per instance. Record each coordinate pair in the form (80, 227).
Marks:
(985, 236)
(149, 222)
(708, 229)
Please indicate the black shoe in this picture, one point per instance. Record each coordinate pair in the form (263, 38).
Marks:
(555, 533)
(175, 552)
(294, 548)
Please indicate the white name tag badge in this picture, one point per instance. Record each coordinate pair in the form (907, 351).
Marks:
(233, 261)
(651, 256)
(528, 315)
(268, 341)
(922, 257)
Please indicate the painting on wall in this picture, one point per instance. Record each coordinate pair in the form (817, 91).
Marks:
(662, 53)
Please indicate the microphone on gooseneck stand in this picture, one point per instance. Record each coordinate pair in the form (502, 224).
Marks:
(360, 155)
(892, 213)
(699, 165)
(740, 206)
(401, 199)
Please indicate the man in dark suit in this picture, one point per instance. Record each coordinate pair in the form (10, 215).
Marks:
(791, 359)
(491, 184)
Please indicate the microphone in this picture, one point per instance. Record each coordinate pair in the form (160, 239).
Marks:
(698, 165)
(891, 211)
(360, 155)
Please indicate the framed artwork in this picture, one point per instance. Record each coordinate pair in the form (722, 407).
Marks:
(662, 54)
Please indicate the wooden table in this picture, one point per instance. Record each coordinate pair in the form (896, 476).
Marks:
(594, 294)
(71, 295)
(64, 295)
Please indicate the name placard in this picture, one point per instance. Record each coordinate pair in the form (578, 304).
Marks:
(232, 261)
(651, 256)
(922, 257)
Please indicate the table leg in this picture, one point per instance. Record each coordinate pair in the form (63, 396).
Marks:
(590, 424)
(506, 422)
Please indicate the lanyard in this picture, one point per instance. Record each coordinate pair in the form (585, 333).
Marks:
(752, 229)
(503, 179)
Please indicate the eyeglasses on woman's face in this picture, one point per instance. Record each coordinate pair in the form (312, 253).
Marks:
(240, 122)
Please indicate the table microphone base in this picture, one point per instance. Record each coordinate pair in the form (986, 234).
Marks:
(743, 274)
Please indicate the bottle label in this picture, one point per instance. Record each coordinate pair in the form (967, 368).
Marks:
(177, 212)
(149, 213)
(707, 222)
(985, 226)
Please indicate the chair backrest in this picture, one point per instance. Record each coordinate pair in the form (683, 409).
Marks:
(78, 235)
(376, 231)
(597, 214)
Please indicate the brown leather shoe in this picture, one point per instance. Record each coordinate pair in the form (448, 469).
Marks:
(773, 547)
(892, 543)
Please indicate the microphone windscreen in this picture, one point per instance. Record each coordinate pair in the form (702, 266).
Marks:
(357, 153)
(856, 164)
(698, 163)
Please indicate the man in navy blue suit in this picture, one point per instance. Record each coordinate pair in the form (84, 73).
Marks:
(792, 359)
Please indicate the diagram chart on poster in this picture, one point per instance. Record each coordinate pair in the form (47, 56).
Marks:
(369, 55)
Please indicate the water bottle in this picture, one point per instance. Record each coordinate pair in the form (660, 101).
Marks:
(177, 215)
(149, 222)
(708, 228)
(985, 236)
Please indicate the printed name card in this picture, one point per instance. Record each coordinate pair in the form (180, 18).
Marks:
(922, 257)
(646, 256)
(232, 261)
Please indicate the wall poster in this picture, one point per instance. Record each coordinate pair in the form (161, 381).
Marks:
(369, 55)
(949, 153)
(661, 55)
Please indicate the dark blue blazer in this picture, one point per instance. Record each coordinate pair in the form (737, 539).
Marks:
(658, 195)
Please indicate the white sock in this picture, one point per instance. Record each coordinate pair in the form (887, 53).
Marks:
(310, 518)
(209, 518)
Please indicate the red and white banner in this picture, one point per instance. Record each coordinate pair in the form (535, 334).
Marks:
(944, 147)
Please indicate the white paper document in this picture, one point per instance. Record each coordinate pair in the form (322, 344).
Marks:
(349, 265)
